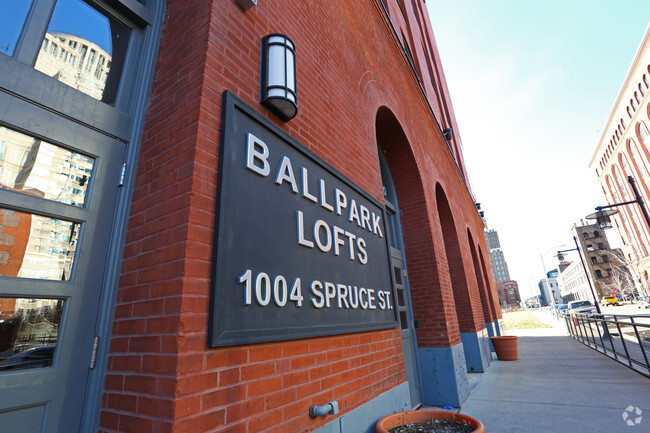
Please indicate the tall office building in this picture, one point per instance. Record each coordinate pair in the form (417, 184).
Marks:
(507, 289)
(497, 260)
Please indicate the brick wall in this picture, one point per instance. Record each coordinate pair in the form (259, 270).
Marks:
(162, 377)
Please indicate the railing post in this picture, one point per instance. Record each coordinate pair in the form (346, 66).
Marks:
(620, 334)
(638, 339)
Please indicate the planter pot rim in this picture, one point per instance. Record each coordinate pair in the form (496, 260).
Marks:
(420, 416)
(503, 337)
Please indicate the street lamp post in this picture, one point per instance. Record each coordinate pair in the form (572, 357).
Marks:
(584, 267)
(591, 287)
(548, 284)
(603, 213)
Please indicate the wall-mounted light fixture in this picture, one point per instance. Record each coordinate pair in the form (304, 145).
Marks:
(246, 4)
(278, 78)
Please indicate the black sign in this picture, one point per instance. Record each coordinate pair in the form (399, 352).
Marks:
(300, 251)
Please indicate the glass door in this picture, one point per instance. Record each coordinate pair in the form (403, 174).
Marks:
(405, 309)
(71, 80)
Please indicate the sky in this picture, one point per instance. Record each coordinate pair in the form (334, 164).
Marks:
(532, 85)
(69, 16)
(77, 18)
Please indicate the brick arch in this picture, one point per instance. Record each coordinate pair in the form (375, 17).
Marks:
(458, 276)
(429, 306)
(493, 296)
(486, 302)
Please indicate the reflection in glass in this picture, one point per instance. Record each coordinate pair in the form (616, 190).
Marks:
(34, 246)
(84, 49)
(29, 331)
(12, 19)
(32, 166)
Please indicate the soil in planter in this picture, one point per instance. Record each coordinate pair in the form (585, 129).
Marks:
(434, 427)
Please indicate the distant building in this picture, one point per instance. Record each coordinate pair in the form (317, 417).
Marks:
(509, 294)
(622, 152)
(573, 283)
(605, 268)
(497, 260)
(549, 290)
(507, 289)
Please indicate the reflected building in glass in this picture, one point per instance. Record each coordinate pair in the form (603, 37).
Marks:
(35, 246)
(76, 62)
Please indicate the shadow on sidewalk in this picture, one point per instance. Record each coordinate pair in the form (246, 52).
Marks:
(558, 385)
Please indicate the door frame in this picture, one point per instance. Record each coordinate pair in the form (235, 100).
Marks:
(124, 123)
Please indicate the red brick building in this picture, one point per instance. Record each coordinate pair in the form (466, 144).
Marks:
(621, 162)
(212, 315)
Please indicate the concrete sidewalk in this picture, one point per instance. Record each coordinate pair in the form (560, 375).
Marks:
(559, 385)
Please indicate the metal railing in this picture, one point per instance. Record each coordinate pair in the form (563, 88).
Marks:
(625, 338)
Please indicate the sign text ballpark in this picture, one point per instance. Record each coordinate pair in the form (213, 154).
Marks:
(323, 236)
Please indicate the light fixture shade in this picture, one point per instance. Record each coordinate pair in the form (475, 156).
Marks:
(602, 217)
(278, 78)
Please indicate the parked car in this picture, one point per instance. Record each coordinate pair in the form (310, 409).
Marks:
(609, 300)
(30, 358)
(562, 308)
(580, 307)
(643, 302)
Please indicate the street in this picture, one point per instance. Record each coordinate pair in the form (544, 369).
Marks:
(628, 310)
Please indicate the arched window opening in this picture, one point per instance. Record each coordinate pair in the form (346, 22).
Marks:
(612, 191)
(638, 162)
(643, 133)
(621, 184)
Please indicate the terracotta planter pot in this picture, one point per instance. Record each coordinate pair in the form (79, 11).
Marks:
(421, 416)
(506, 347)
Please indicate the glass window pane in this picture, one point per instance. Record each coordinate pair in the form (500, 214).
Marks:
(35, 246)
(29, 331)
(32, 166)
(12, 19)
(402, 320)
(398, 275)
(89, 49)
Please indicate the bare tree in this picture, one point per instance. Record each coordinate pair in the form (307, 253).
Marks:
(624, 275)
